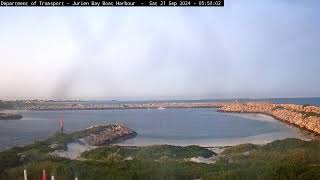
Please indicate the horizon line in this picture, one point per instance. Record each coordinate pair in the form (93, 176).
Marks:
(191, 99)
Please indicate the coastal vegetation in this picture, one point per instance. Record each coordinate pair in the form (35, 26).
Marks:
(12, 104)
(282, 159)
(6, 105)
(155, 152)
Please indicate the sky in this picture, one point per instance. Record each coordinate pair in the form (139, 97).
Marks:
(267, 48)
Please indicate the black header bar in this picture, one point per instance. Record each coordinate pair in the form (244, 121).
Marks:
(95, 3)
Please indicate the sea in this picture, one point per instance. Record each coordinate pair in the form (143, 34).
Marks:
(186, 126)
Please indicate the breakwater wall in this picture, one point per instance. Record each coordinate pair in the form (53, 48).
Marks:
(79, 106)
(9, 116)
(304, 116)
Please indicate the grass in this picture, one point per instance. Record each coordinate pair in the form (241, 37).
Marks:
(156, 152)
(282, 159)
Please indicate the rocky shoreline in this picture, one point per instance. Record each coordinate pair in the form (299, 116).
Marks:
(72, 145)
(9, 116)
(303, 116)
(110, 134)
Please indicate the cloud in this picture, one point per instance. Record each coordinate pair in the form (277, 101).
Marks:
(245, 49)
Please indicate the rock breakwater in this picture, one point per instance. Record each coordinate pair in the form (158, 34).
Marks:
(72, 145)
(111, 134)
(303, 116)
(9, 116)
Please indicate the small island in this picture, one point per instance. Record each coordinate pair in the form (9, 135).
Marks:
(9, 116)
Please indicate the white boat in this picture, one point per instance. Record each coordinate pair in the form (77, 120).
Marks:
(161, 108)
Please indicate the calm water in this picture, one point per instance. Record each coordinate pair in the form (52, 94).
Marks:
(170, 126)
